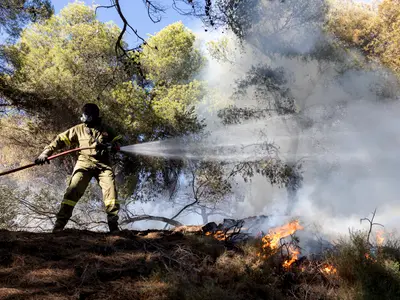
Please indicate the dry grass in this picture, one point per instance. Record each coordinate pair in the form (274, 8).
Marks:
(168, 265)
(46, 277)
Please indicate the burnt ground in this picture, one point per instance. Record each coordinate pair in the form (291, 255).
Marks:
(86, 265)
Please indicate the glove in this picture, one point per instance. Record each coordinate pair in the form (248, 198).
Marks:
(101, 148)
(115, 148)
(43, 158)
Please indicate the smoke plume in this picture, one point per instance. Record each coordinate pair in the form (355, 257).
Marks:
(344, 130)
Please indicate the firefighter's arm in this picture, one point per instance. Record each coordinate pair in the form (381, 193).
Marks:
(67, 138)
(111, 143)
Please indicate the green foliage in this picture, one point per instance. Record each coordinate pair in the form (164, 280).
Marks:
(169, 57)
(222, 49)
(212, 182)
(237, 15)
(375, 31)
(69, 60)
(352, 22)
(14, 14)
(66, 60)
(169, 103)
(159, 113)
(373, 270)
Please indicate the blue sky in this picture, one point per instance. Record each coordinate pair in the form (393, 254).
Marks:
(136, 13)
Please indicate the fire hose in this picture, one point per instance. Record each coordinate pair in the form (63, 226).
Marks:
(49, 158)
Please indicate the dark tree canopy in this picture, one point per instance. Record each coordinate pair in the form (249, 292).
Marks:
(15, 14)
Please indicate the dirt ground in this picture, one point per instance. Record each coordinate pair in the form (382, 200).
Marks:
(86, 265)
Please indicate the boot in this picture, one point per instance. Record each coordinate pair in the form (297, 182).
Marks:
(112, 221)
(58, 227)
(63, 217)
(113, 226)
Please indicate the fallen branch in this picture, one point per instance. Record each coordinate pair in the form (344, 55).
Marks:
(128, 220)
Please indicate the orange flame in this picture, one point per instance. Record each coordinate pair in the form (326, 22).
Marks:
(329, 269)
(379, 237)
(368, 256)
(271, 240)
(219, 235)
(294, 253)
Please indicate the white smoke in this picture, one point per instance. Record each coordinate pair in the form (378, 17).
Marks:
(345, 132)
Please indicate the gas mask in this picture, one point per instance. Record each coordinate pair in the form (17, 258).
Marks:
(90, 114)
(85, 118)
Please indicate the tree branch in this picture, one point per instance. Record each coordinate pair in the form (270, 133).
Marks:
(124, 28)
(129, 220)
(195, 197)
(371, 224)
(153, 10)
(103, 6)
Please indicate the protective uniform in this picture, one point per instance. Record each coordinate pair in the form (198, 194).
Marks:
(91, 163)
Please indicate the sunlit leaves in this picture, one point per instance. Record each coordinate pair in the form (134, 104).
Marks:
(170, 56)
(375, 31)
(69, 56)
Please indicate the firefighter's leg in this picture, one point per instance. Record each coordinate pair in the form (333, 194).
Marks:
(77, 186)
(106, 180)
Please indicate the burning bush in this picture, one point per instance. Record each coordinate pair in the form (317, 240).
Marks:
(272, 243)
(373, 269)
(347, 271)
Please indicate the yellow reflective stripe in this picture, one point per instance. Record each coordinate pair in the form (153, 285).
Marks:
(113, 213)
(68, 202)
(110, 202)
(118, 137)
(65, 139)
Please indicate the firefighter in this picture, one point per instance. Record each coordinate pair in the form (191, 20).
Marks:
(91, 163)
